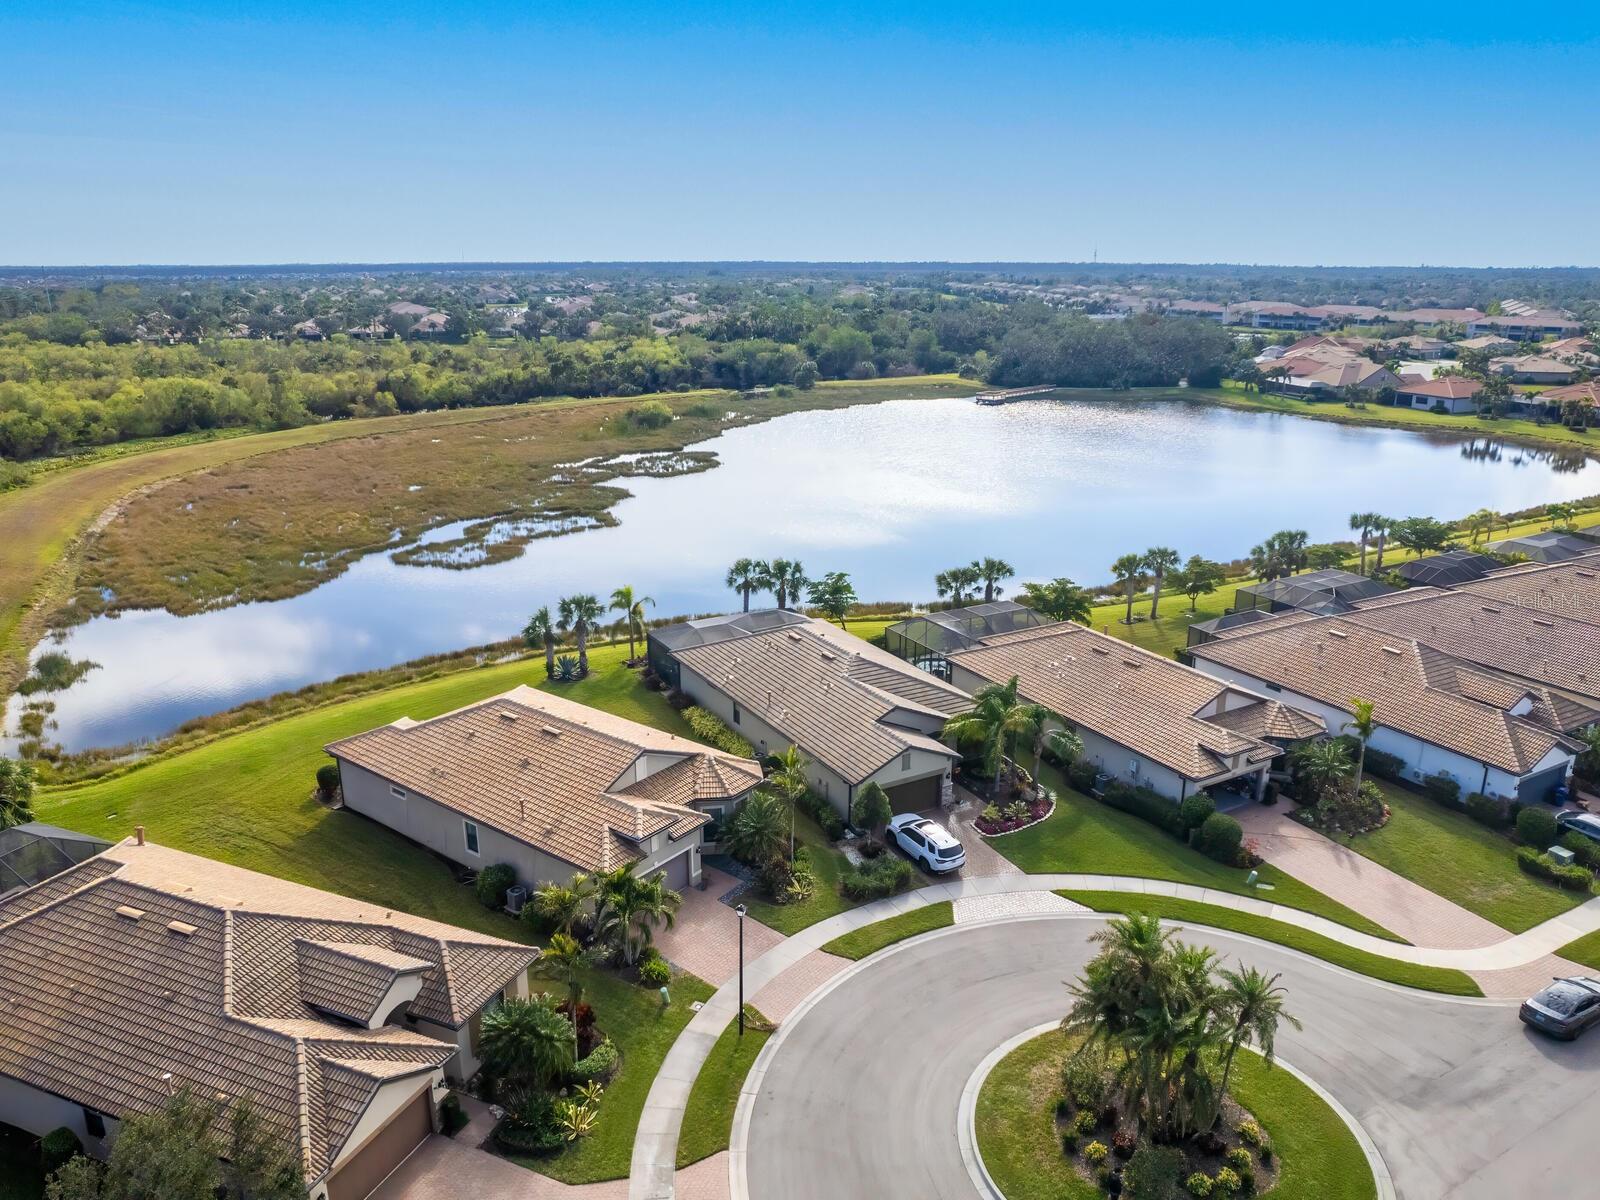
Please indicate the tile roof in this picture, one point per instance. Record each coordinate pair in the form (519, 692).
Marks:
(169, 964)
(832, 695)
(1450, 387)
(1136, 699)
(1413, 688)
(1570, 588)
(1584, 393)
(557, 775)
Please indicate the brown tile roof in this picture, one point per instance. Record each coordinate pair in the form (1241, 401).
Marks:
(1269, 719)
(174, 965)
(1450, 387)
(1584, 393)
(1412, 687)
(350, 981)
(1136, 699)
(554, 774)
(834, 703)
(1570, 588)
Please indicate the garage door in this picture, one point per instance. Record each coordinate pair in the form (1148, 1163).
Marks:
(384, 1151)
(916, 796)
(1538, 789)
(675, 872)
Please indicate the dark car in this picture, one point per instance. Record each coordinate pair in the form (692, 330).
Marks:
(1564, 1009)
(1580, 822)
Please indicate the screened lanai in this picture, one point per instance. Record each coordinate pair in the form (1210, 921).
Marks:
(1329, 591)
(924, 640)
(33, 852)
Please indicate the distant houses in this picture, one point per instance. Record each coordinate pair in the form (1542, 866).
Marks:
(1452, 394)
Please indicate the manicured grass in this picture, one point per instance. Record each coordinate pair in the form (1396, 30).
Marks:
(1586, 950)
(644, 1031)
(708, 1117)
(1450, 854)
(1083, 835)
(1318, 1156)
(20, 1178)
(1170, 908)
(869, 939)
(825, 900)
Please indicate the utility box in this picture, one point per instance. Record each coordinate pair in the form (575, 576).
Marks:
(516, 897)
(1561, 855)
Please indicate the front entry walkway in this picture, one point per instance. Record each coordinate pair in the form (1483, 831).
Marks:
(704, 939)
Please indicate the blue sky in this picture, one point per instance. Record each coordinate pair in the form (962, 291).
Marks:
(1352, 134)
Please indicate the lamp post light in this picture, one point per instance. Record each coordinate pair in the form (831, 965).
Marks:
(740, 912)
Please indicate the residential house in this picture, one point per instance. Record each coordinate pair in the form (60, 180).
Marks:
(1419, 347)
(1527, 325)
(857, 713)
(1587, 394)
(1436, 713)
(1488, 344)
(1579, 350)
(1436, 316)
(545, 785)
(309, 331)
(1312, 374)
(1569, 588)
(1453, 393)
(1143, 718)
(1534, 368)
(1269, 314)
(431, 325)
(142, 970)
(1210, 310)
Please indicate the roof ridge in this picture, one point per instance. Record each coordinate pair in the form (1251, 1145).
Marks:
(49, 905)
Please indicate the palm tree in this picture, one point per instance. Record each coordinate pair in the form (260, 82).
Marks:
(1254, 1004)
(541, 631)
(580, 614)
(991, 571)
(1561, 514)
(788, 779)
(956, 581)
(1127, 569)
(1049, 735)
(562, 905)
(1364, 523)
(755, 834)
(1381, 526)
(996, 717)
(786, 579)
(563, 961)
(748, 575)
(630, 908)
(527, 1042)
(1158, 560)
(632, 609)
(1322, 764)
(1485, 520)
(1362, 725)
(16, 792)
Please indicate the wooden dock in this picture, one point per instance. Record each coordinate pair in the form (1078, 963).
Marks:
(1010, 394)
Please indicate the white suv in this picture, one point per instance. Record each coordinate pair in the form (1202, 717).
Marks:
(927, 843)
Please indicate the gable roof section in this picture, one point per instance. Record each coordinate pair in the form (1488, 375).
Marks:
(557, 775)
(1570, 588)
(1450, 387)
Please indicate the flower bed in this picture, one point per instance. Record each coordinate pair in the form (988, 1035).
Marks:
(1019, 814)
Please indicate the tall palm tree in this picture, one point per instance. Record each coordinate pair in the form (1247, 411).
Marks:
(630, 908)
(1127, 571)
(1362, 724)
(563, 960)
(1049, 734)
(541, 631)
(631, 607)
(1364, 523)
(1381, 526)
(991, 571)
(748, 575)
(996, 718)
(580, 614)
(1158, 560)
(787, 579)
(1254, 1005)
(788, 779)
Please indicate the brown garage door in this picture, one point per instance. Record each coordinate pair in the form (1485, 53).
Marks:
(915, 796)
(675, 872)
(384, 1151)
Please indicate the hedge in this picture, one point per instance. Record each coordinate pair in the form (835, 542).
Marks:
(1488, 810)
(1220, 838)
(1536, 827)
(709, 728)
(1542, 866)
(1148, 805)
(493, 883)
(879, 877)
(1585, 849)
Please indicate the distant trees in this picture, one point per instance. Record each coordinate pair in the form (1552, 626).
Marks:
(786, 579)
(1059, 599)
(1199, 577)
(1420, 535)
(1365, 524)
(958, 583)
(1280, 555)
(992, 571)
(748, 575)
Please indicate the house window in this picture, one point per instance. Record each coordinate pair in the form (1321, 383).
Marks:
(470, 829)
(736, 714)
(93, 1123)
(1273, 687)
(905, 761)
(397, 792)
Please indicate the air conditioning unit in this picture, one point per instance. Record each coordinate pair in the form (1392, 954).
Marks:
(516, 897)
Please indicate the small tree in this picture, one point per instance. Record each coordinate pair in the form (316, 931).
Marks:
(527, 1042)
(563, 961)
(1362, 724)
(788, 779)
(1127, 571)
(1199, 577)
(756, 834)
(872, 809)
(1060, 600)
(834, 595)
(17, 781)
(540, 631)
(328, 780)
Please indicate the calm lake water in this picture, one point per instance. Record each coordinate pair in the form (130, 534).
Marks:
(890, 493)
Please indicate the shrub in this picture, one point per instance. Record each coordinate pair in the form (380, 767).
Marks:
(1238, 1157)
(56, 1148)
(990, 815)
(1250, 1132)
(709, 728)
(1084, 1079)
(1228, 1181)
(1219, 838)
(599, 1065)
(328, 780)
(824, 814)
(879, 878)
(1384, 765)
(1536, 827)
(1199, 1184)
(1153, 1173)
(1195, 809)
(652, 414)
(452, 1117)
(1086, 1122)
(679, 700)
(1442, 789)
(493, 884)
(785, 882)
(1069, 1143)
(1096, 1152)
(654, 972)
(1147, 805)
(1123, 1142)
(1542, 866)
(1585, 850)
(1487, 810)
(534, 1128)
(566, 669)
(1081, 775)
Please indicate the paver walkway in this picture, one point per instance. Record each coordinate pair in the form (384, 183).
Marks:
(1404, 908)
(982, 858)
(704, 938)
(448, 1169)
(782, 996)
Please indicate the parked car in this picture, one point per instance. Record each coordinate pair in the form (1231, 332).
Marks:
(1564, 1009)
(927, 843)
(1579, 822)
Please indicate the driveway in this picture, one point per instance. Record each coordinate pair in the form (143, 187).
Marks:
(862, 1092)
(704, 939)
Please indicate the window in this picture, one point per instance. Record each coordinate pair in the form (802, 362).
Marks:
(736, 714)
(1273, 687)
(470, 829)
(905, 761)
(93, 1123)
(398, 793)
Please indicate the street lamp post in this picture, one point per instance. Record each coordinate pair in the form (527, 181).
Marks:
(741, 910)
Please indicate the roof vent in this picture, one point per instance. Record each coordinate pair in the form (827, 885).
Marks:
(525, 763)
(133, 914)
(1099, 649)
(829, 655)
(508, 716)
(1338, 633)
(794, 637)
(1584, 574)
(1392, 650)
(1544, 621)
(551, 730)
(1489, 608)
(1132, 664)
(181, 927)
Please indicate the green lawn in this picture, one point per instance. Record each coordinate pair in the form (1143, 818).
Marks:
(1450, 854)
(19, 1165)
(1318, 1156)
(869, 939)
(825, 900)
(708, 1118)
(1083, 835)
(1170, 908)
(1586, 950)
(643, 1031)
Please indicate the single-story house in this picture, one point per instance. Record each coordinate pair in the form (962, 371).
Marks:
(1436, 713)
(1572, 349)
(664, 641)
(1587, 393)
(548, 786)
(309, 331)
(1143, 718)
(1313, 374)
(857, 713)
(1454, 393)
(1535, 368)
(1419, 346)
(142, 970)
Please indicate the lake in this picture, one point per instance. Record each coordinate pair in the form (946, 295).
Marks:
(889, 493)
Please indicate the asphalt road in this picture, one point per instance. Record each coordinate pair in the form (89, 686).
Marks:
(860, 1099)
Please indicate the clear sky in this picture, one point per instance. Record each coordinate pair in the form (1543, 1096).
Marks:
(1351, 133)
